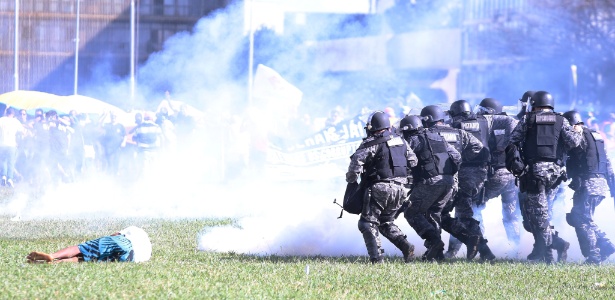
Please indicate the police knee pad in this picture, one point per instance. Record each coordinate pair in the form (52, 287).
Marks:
(366, 226)
(389, 229)
(574, 220)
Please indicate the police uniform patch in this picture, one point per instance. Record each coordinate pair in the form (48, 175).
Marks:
(449, 137)
(396, 141)
(545, 119)
(499, 132)
(470, 126)
(597, 136)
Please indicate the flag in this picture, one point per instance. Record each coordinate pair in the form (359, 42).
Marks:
(271, 89)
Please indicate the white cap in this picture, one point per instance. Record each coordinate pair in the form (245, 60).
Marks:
(141, 245)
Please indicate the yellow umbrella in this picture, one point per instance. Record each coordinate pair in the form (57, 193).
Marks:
(29, 99)
(84, 104)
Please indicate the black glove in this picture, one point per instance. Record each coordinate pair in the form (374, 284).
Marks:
(514, 161)
(575, 183)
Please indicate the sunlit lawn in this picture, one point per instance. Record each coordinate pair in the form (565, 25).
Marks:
(179, 270)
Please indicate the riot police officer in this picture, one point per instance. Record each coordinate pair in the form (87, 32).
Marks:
(473, 171)
(438, 162)
(463, 226)
(382, 161)
(500, 182)
(542, 138)
(590, 170)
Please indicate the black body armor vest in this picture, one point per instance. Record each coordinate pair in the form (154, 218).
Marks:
(591, 161)
(434, 159)
(390, 160)
(542, 142)
(479, 127)
(450, 135)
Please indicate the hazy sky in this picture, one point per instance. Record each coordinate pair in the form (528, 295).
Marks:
(270, 13)
(335, 6)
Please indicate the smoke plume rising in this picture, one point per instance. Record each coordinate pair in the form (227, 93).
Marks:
(278, 211)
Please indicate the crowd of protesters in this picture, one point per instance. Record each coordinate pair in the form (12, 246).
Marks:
(50, 148)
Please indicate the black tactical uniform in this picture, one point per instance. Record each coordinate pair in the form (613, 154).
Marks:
(500, 181)
(542, 137)
(382, 161)
(463, 227)
(473, 171)
(591, 173)
(437, 164)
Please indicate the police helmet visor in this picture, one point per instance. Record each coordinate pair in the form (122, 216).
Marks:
(481, 110)
(369, 126)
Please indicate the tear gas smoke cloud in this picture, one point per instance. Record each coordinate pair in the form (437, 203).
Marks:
(286, 213)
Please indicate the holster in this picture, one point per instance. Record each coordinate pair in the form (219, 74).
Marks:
(402, 209)
(575, 183)
(562, 178)
(522, 180)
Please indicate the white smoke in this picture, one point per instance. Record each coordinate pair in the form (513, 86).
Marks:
(285, 213)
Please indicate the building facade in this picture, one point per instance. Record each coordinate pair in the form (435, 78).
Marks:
(46, 35)
(489, 32)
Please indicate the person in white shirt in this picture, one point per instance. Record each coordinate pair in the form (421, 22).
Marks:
(10, 130)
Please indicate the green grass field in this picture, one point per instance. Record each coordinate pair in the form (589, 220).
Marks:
(178, 270)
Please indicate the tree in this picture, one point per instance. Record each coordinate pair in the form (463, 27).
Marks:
(548, 37)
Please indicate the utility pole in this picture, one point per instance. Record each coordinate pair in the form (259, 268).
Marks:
(132, 52)
(16, 58)
(76, 82)
(251, 55)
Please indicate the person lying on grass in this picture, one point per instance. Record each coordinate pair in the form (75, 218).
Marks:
(130, 244)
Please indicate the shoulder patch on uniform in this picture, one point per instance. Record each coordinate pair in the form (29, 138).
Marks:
(546, 119)
(470, 126)
(449, 137)
(499, 132)
(396, 141)
(597, 136)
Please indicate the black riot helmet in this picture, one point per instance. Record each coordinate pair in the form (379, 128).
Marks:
(574, 117)
(527, 96)
(378, 120)
(432, 114)
(411, 123)
(490, 106)
(542, 99)
(460, 108)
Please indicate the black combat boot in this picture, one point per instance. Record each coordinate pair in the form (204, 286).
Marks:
(593, 252)
(540, 253)
(472, 243)
(435, 246)
(377, 260)
(435, 250)
(406, 248)
(594, 257)
(534, 255)
(453, 247)
(561, 246)
(485, 251)
(548, 257)
(606, 247)
(547, 251)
